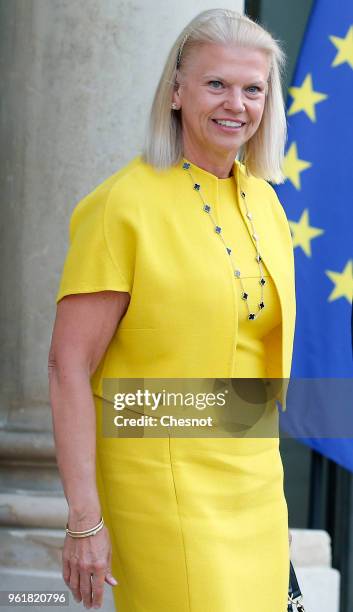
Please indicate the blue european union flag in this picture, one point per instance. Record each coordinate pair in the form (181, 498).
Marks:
(318, 200)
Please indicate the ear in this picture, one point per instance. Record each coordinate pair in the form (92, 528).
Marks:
(176, 92)
(176, 101)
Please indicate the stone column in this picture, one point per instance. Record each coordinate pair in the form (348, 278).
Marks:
(77, 81)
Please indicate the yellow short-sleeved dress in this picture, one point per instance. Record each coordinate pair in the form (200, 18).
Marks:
(197, 524)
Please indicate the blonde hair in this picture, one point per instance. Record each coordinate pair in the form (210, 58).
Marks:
(263, 154)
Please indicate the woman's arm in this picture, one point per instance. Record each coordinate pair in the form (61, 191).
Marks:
(83, 328)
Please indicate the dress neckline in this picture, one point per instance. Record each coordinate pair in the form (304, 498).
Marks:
(209, 175)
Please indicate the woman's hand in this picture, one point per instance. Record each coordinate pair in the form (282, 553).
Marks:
(86, 566)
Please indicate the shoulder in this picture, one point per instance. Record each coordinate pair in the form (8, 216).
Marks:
(123, 178)
(117, 194)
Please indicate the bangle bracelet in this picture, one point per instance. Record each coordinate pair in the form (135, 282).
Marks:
(87, 532)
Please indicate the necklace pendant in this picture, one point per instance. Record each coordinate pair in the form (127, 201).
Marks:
(262, 281)
(218, 229)
(242, 194)
(237, 273)
(251, 316)
(186, 166)
(197, 186)
(261, 305)
(258, 258)
(207, 208)
(229, 250)
(244, 295)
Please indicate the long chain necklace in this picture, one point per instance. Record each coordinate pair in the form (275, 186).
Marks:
(207, 208)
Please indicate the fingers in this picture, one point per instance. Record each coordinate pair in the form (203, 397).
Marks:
(109, 579)
(74, 583)
(66, 571)
(86, 566)
(92, 583)
(86, 587)
(97, 589)
(71, 578)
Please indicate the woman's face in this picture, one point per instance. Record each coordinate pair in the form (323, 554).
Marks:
(221, 83)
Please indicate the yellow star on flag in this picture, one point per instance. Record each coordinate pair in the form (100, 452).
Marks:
(303, 233)
(293, 166)
(345, 48)
(305, 98)
(343, 283)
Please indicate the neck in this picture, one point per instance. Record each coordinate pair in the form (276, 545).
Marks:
(222, 168)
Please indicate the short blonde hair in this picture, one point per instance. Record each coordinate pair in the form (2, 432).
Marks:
(263, 154)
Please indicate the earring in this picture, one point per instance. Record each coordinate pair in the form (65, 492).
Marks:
(175, 106)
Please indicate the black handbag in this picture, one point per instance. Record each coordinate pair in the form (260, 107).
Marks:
(294, 593)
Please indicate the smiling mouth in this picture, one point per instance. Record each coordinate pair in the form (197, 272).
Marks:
(229, 124)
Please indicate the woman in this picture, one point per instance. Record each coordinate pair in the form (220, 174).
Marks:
(181, 265)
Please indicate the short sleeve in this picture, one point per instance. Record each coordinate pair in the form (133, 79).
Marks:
(98, 256)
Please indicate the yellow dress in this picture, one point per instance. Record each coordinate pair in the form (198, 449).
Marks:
(197, 524)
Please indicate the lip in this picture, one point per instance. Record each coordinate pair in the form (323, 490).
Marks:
(228, 119)
(226, 129)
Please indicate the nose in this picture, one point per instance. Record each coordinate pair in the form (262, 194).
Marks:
(234, 100)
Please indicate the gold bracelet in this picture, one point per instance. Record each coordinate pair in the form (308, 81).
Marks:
(87, 532)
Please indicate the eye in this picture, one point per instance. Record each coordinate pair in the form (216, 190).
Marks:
(217, 82)
(254, 88)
